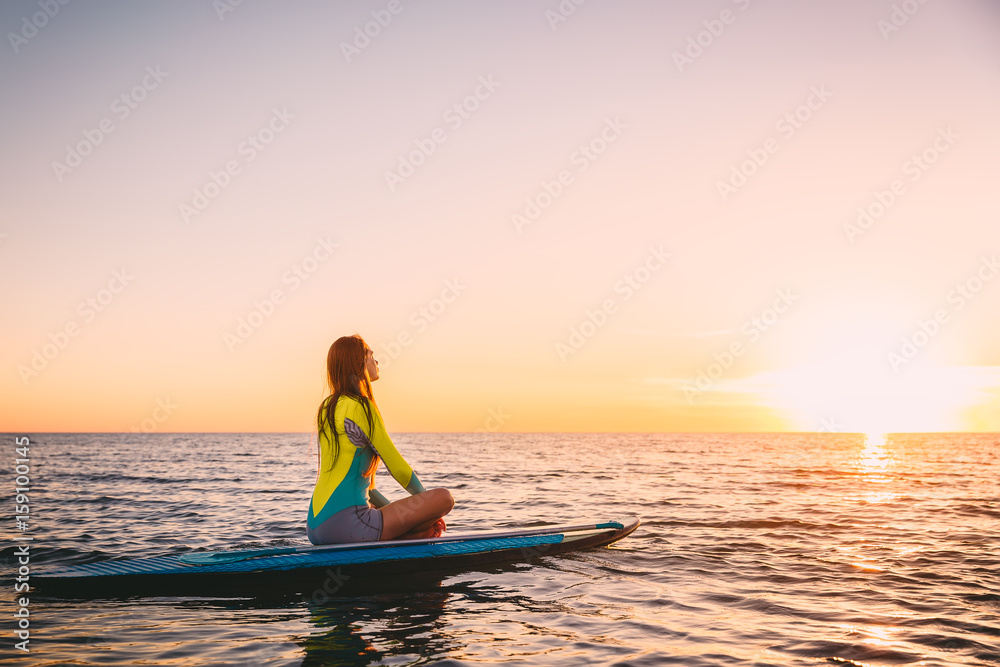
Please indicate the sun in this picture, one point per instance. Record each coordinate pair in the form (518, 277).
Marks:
(862, 394)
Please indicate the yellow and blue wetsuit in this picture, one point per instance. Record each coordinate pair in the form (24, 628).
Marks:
(343, 484)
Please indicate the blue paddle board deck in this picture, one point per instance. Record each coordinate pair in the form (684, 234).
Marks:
(302, 569)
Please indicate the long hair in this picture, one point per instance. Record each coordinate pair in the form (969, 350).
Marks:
(346, 375)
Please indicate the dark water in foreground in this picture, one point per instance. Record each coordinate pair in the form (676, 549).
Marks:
(755, 549)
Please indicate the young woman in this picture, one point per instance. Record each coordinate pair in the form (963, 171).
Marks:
(345, 506)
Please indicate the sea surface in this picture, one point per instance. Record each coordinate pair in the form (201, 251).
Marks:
(755, 549)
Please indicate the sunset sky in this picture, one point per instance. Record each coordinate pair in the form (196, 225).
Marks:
(633, 216)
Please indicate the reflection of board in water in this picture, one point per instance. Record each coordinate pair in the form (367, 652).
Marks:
(341, 637)
(320, 568)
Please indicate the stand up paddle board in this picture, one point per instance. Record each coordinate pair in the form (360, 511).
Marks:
(303, 569)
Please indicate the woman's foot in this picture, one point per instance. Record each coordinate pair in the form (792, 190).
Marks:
(436, 529)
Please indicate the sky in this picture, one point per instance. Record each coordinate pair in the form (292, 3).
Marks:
(736, 215)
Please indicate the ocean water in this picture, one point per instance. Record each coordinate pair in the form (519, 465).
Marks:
(755, 549)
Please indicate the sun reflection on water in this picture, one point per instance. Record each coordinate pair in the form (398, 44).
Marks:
(877, 481)
(873, 463)
(874, 635)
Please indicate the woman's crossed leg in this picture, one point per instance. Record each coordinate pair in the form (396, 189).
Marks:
(419, 516)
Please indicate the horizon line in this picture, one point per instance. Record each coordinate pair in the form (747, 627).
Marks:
(499, 432)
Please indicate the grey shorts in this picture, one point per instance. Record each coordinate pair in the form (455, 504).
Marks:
(359, 523)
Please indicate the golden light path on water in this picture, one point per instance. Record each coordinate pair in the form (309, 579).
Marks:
(874, 471)
(874, 467)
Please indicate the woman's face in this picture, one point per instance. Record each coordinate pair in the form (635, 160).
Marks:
(371, 365)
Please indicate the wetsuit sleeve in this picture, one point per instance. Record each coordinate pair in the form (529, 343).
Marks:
(377, 499)
(394, 462)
